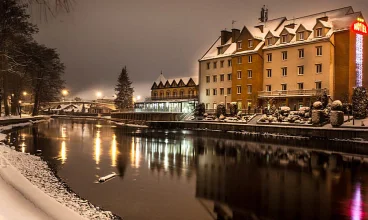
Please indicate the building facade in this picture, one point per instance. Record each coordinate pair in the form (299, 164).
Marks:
(171, 95)
(290, 62)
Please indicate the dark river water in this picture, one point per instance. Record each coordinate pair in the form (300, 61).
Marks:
(202, 175)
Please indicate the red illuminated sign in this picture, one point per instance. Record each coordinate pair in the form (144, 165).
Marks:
(360, 26)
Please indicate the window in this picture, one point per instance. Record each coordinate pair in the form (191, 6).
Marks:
(284, 38)
(181, 93)
(214, 65)
(238, 89)
(284, 55)
(301, 53)
(207, 105)
(250, 59)
(319, 85)
(239, 45)
(218, 50)
(319, 32)
(284, 87)
(229, 63)
(250, 73)
(301, 35)
(250, 43)
(207, 92)
(300, 70)
(239, 74)
(269, 57)
(249, 89)
(269, 73)
(214, 78)
(300, 86)
(222, 77)
(208, 79)
(318, 68)
(214, 92)
(229, 76)
(319, 50)
(284, 71)
(239, 60)
(269, 41)
(222, 64)
(268, 88)
(222, 91)
(229, 91)
(208, 66)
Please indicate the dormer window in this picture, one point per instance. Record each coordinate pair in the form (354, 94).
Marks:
(319, 32)
(269, 41)
(250, 43)
(239, 45)
(301, 35)
(218, 51)
(284, 38)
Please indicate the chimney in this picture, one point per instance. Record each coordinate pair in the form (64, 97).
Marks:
(324, 18)
(235, 34)
(225, 36)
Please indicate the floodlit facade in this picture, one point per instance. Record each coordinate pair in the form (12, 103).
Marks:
(289, 62)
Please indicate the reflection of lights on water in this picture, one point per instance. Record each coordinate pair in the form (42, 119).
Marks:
(356, 206)
(114, 151)
(23, 145)
(63, 152)
(23, 137)
(135, 154)
(98, 126)
(63, 132)
(166, 158)
(97, 147)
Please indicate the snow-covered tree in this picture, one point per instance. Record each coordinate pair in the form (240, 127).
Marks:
(124, 91)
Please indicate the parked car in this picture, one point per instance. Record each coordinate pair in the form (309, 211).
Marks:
(210, 118)
(230, 119)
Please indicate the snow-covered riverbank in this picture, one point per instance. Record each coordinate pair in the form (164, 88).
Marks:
(39, 177)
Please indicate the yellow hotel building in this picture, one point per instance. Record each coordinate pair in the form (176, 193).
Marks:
(289, 61)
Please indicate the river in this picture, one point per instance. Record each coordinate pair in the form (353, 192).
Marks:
(187, 175)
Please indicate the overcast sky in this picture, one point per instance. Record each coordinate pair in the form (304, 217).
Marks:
(98, 37)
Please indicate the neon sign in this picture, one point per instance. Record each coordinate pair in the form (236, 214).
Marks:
(360, 27)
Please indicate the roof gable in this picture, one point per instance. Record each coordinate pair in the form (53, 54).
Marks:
(167, 84)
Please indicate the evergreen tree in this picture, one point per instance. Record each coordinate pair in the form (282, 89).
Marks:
(124, 91)
(360, 102)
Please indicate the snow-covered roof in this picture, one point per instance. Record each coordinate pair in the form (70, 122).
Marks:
(259, 46)
(212, 53)
(177, 80)
(160, 78)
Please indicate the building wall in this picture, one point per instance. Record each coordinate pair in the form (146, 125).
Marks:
(186, 90)
(211, 101)
(310, 77)
(246, 99)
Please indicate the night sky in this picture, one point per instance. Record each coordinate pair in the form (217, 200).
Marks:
(98, 37)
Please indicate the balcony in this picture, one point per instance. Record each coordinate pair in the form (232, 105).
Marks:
(162, 98)
(291, 93)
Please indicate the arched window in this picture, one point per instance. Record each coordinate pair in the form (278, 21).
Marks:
(168, 94)
(181, 93)
(175, 93)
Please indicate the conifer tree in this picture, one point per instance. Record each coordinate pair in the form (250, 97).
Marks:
(124, 91)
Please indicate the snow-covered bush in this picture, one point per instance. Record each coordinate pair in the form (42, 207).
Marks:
(200, 110)
(336, 118)
(233, 108)
(318, 117)
(284, 110)
(222, 117)
(336, 105)
(221, 110)
(317, 105)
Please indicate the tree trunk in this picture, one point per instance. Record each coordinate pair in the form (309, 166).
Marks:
(36, 105)
(5, 94)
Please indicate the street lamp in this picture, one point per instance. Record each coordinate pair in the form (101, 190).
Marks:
(225, 101)
(99, 95)
(64, 92)
(138, 97)
(25, 93)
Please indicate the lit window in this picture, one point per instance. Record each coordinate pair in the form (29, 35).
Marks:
(239, 60)
(222, 91)
(229, 76)
(319, 32)
(269, 73)
(214, 92)
(249, 89)
(239, 74)
(239, 45)
(238, 89)
(284, 55)
(215, 78)
(284, 71)
(301, 35)
(300, 70)
(318, 85)
(250, 59)
(222, 77)
(319, 50)
(318, 68)
(300, 86)
(208, 79)
(269, 57)
(268, 88)
(284, 87)
(301, 53)
(207, 92)
(250, 73)
(284, 38)
(250, 43)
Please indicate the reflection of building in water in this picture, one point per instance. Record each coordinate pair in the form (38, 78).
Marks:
(114, 151)
(259, 184)
(97, 147)
(63, 152)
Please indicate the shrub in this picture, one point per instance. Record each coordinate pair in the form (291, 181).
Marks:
(221, 110)
(200, 110)
(317, 105)
(359, 102)
(336, 105)
(233, 109)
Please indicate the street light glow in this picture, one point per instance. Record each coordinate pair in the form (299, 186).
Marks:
(98, 94)
(64, 92)
(139, 97)
(25, 93)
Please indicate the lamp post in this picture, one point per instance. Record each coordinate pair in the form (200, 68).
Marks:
(225, 102)
(20, 109)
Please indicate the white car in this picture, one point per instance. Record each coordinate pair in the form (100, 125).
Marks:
(230, 119)
(210, 118)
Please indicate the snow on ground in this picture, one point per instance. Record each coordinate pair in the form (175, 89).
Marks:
(15, 117)
(17, 200)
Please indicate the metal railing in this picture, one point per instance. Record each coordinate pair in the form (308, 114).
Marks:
(171, 97)
(299, 92)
